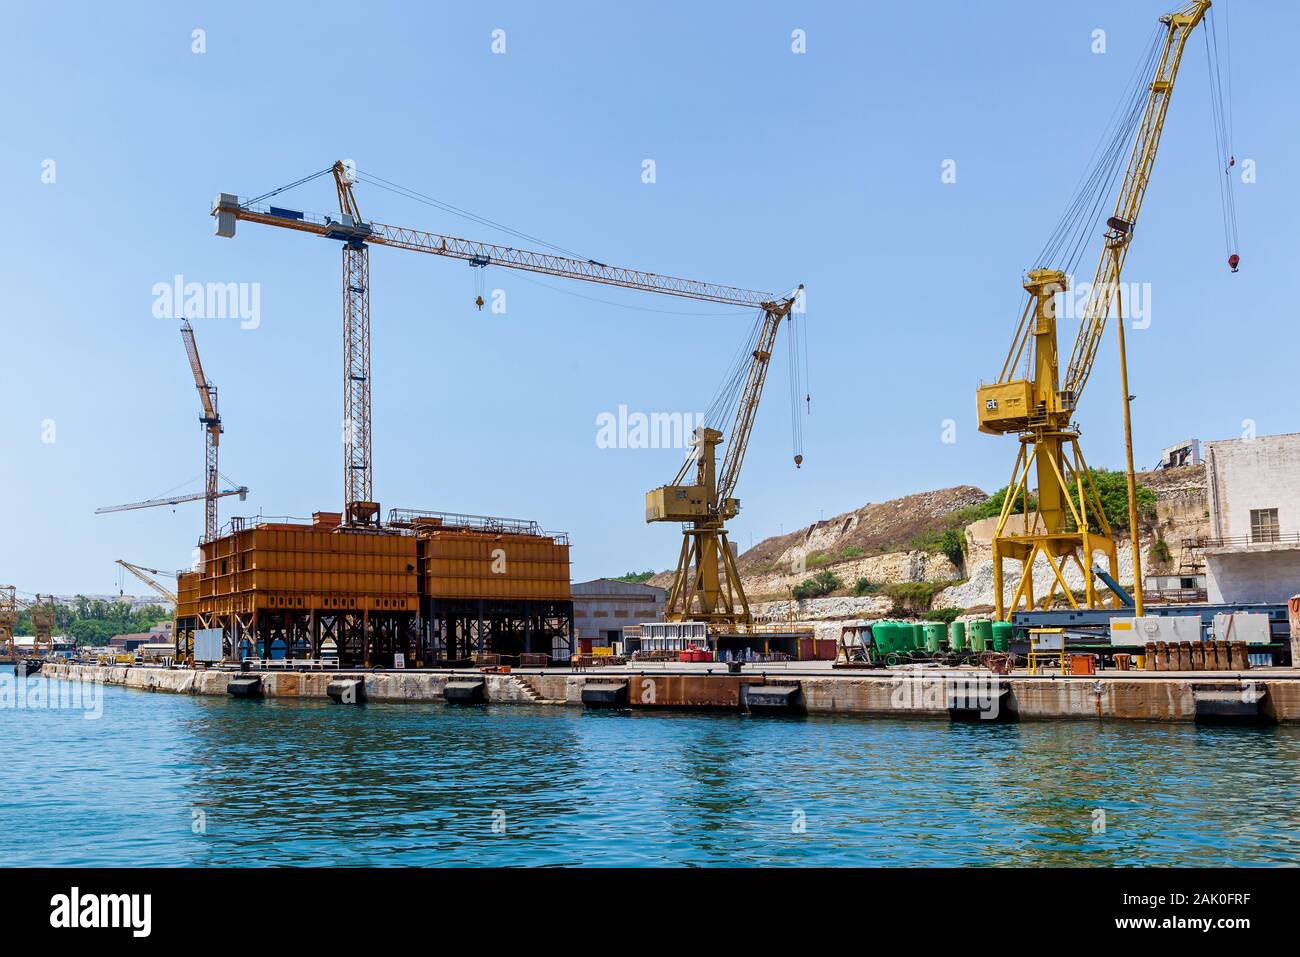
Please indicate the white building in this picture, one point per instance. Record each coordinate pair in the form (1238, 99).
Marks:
(1253, 488)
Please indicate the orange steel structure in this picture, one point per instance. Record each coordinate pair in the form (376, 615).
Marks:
(429, 586)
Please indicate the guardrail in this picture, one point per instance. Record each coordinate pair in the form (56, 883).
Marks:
(1279, 538)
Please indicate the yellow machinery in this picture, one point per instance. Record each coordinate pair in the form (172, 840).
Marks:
(42, 615)
(356, 236)
(8, 618)
(706, 586)
(43, 618)
(1029, 399)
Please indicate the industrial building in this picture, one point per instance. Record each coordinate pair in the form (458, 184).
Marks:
(422, 589)
(604, 607)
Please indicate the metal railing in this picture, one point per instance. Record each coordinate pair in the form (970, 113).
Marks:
(1274, 538)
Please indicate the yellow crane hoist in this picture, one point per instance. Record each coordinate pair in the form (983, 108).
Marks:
(1029, 399)
(706, 586)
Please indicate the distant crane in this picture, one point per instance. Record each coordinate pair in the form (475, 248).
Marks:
(212, 429)
(210, 419)
(43, 615)
(705, 542)
(241, 491)
(9, 610)
(146, 575)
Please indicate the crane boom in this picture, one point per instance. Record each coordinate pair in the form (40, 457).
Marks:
(241, 491)
(1128, 205)
(146, 575)
(483, 253)
(207, 391)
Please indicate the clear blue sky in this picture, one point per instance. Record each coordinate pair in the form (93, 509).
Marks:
(772, 169)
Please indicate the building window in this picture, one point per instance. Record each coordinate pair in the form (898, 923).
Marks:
(1263, 525)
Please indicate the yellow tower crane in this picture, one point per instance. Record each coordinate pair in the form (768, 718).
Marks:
(1068, 519)
(356, 235)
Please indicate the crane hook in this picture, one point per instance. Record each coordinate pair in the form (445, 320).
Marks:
(1234, 261)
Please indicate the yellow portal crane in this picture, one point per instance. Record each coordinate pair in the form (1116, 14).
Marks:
(1068, 517)
(146, 575)
(43, 615)
(8, 618)
(706, 586)
(43, 619)
(357, 235)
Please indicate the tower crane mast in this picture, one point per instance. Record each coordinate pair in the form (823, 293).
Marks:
(1068, 517)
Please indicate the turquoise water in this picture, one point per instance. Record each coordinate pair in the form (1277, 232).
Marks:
(305, 783)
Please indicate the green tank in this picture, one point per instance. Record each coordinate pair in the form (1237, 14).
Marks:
(1001, 635)
(981, 634)
(883, 632)
(957, 636)
(934, 636)
(918, 637)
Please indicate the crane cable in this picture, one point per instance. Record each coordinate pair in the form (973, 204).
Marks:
(798, 335)
(1096, 186)
(1069, 238)
(1221, 115)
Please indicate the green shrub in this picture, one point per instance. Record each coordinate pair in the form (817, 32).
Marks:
(864, 586)
(1112, 490)
(635, 578)
(820, 585)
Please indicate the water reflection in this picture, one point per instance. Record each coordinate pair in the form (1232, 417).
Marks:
(306, 783)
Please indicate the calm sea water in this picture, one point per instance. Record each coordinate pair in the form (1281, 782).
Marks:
(305, 783)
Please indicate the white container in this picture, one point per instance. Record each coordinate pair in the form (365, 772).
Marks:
(1166, 628)
(1250, 627)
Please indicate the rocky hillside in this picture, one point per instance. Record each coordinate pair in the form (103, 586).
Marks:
(881, 542)
(895, 554)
